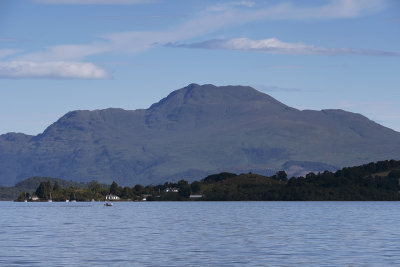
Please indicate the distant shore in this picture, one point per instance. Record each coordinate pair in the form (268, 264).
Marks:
(378, 181)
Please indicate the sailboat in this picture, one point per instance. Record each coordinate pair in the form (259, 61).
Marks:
(50, 200)
(74, 200)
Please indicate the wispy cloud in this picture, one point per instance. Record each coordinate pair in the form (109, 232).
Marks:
(94, 2)
(209, 20)
(206, 21)
(66, 52)
(286, 10)
(225, 6)
(8, 52)
(331, 10)
(275, 46)
(51, 70)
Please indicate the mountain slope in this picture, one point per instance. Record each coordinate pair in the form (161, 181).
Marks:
(195, 131)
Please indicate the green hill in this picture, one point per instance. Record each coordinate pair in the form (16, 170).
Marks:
(372, 181)
(31, 184)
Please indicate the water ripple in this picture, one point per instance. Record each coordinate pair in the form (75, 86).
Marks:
(200, 233)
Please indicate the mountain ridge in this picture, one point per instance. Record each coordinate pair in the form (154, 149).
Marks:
(195, 131)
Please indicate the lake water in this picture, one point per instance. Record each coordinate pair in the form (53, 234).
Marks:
(200, 234)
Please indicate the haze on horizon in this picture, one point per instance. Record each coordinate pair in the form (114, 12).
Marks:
(62, 55)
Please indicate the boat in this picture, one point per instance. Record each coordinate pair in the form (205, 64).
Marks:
(108, 204)
(50, 200)
(74, 200)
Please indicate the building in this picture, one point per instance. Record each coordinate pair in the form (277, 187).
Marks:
(172, 189)
(112, 197)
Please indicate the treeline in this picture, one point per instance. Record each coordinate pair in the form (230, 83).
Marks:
(31, 184)
(48, 190)
(373, 181)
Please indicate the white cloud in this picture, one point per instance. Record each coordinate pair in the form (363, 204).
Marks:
(209, 20)
(217, 17)
(134, 42)
(334, 9)
(8, 52)
(124, 42)
(66, 52)
(225, 6)
(94, 2)
(51, 70)
(286, 10)
(275, 46)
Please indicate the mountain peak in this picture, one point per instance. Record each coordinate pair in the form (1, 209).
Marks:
(209, 94)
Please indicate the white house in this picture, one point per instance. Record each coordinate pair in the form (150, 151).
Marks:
(112, 197)
(172, 189)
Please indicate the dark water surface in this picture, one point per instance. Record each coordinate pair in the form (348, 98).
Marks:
(200, 234)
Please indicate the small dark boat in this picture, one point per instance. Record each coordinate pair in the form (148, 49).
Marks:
(108, 204)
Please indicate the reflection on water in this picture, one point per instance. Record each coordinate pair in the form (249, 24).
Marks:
(200, 234)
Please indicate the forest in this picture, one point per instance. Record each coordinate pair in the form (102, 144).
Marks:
(378, 181)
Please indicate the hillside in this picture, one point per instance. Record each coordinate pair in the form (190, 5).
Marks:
(361, 183)
(193, 132)
(30, 185)
(368, 182)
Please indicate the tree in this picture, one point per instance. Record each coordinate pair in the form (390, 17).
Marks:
(139, 188)
(281, 176)
(56, 187)
(94, 187)
(23, 196)
(44, 189)
(195, 186)
(184, 191)
(182, 183)
(394, 174)
(149, 189)
(72, 195)
(114, 188)
(184, 188)
(126, 193)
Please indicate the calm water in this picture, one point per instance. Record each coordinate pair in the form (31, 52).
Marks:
(200, 234)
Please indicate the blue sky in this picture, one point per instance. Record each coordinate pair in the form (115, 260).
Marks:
(63, 55)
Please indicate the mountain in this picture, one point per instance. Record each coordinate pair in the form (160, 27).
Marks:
(193, 132)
